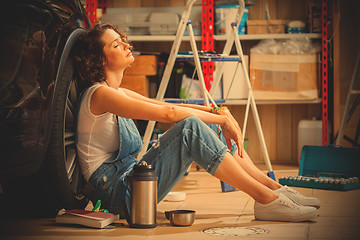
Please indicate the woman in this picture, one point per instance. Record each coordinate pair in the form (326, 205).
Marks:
(107, 144)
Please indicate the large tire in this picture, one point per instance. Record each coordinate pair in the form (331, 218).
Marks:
(61, 166)
(59, 183)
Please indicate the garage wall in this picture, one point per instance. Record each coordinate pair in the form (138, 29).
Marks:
(346, 40)
(280, 122)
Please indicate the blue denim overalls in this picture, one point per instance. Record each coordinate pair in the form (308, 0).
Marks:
(187, 141)
(108, 181)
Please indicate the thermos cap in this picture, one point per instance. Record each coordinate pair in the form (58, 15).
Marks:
(144, 172)
(143, 167)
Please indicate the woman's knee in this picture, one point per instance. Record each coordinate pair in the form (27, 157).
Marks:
(192, 119)
(193, 122)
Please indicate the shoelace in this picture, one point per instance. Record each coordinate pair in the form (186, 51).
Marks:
(291, 190)
(289, 204)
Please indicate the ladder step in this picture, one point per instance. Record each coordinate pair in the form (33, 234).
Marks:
(355, 91)
(208, 58)
(191, 101)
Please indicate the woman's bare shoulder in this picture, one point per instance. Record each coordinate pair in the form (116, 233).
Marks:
(103, 96)
(106, 91)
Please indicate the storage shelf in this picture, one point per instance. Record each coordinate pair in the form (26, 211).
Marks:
(258, 102)
(167, 38)
(263, 102)
(271, 36)
(158, 38)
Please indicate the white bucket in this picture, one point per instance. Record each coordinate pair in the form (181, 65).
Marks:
(225, 15)
(309, 133)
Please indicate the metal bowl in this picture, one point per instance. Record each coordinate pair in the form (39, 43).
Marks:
(181, 217)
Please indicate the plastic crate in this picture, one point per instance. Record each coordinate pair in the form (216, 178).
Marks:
(330, 167)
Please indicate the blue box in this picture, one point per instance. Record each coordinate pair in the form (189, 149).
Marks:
(331, 167)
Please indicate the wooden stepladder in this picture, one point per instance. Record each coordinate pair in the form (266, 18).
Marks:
(351, 107)
(221, 58)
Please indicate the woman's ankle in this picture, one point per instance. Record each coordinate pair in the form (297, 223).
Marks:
(268, 198)
(274, 185)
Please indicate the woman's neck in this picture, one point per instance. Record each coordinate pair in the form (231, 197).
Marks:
(113, 79)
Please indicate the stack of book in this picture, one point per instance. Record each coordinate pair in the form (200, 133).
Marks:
(86, 218)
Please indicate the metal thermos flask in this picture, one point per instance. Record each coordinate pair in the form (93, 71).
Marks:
(143, 196)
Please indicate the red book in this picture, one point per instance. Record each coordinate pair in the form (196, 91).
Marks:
(86, 218)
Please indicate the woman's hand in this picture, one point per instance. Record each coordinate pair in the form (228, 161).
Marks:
(232, 131)
(225, 111)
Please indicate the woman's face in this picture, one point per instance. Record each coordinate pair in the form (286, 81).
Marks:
(118, 54)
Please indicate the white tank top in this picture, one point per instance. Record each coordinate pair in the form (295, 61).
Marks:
(97, 135)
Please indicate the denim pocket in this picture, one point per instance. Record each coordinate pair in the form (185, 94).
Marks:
(110, 175)
(104, 176)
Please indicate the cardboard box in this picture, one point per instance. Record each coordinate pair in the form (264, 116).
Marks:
(284, 77)
(265, 26)
(137, 83)
(135, 77)
(143, 65)
(234, 82)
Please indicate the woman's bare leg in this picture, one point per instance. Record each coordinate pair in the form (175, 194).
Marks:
(231, 172)
(261, 177)
(268, 204)
(255, 172)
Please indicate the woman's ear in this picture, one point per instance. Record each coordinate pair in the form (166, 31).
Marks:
(104, 61)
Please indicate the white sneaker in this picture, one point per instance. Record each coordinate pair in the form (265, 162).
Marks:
(284, 209)
(298, 197)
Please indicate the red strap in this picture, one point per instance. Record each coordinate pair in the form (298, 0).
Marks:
(208, 39)
(324, 61)
(91, 6)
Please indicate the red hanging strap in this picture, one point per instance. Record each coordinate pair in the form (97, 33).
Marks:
(324, 61)
(91, 6)
(103, 4)
(208, 39)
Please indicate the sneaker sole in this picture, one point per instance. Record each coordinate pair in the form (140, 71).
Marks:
(304, 218)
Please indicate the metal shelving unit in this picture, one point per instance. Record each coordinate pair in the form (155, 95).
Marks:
(263, 102)
(170, 38)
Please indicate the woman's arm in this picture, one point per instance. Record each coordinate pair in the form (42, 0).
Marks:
(138, 96)
(132, 105)
(126, 103)
(222, 111)
(141, 97)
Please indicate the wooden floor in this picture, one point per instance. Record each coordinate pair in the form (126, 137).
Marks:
(218, 216)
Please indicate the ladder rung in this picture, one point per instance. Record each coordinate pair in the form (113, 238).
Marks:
(208, 58)
(355, 91)
(191, 101)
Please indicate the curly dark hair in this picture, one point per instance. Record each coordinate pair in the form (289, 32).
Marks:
(89, 56)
